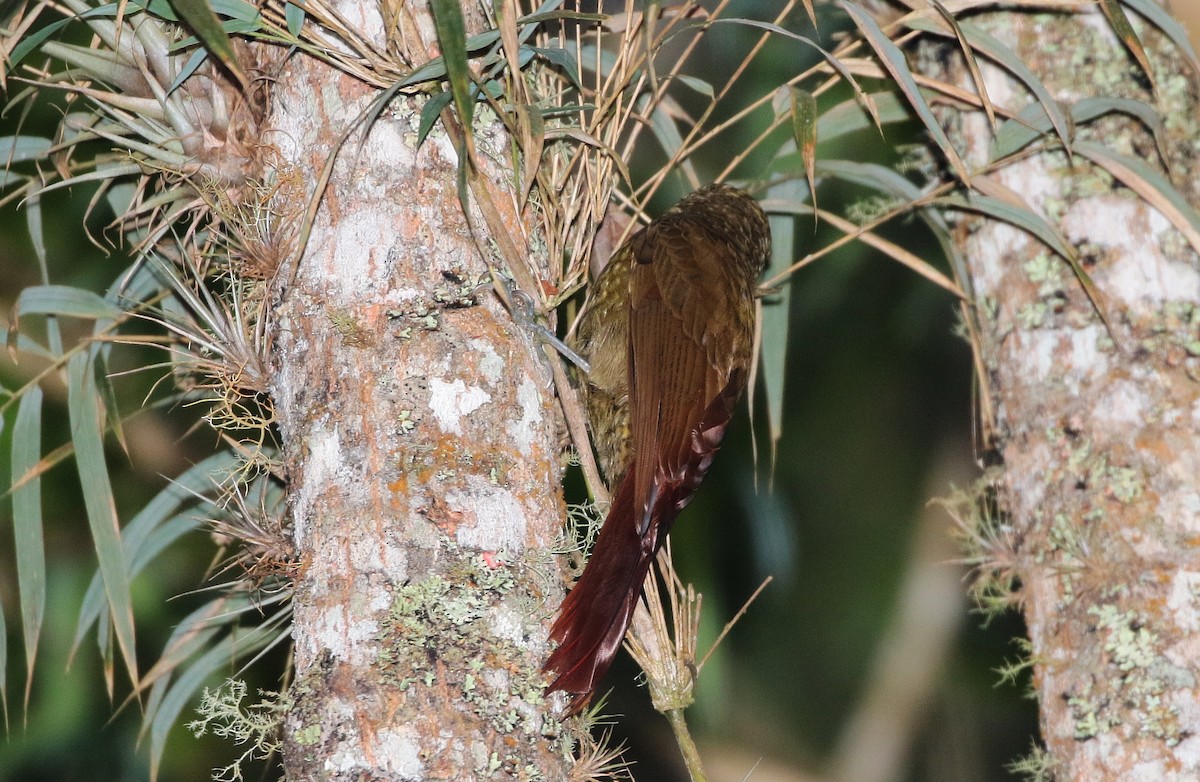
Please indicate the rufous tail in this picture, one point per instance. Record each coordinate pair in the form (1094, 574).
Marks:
(597, 611)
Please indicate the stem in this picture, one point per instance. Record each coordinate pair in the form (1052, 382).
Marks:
(683, 737)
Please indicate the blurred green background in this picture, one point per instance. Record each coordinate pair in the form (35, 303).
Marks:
(878, 419)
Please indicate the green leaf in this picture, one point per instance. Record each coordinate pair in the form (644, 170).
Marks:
(33, 220)
(804, 127)
(203, 21)
(87, 436)
(872, 175)
(833, 62)
(1033, 223)
(666, 132)
(1031, 123)
(849, 116)
(1150, 185)
(294, 16)
(698, 86)
(1158, 16)
(430, 112)
(156, 526)
(27, 525)
(968, 53)
(452, 38)
(1124, 30)
(165, 716)
(195, 632)
(21, 149)
(894, 63)
(64, 300)
(989, 46)
(177, 694)
(565, 62)
(194, 61)
(776, 313)
(30, 43)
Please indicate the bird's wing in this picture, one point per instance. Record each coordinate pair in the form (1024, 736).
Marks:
(680, 396)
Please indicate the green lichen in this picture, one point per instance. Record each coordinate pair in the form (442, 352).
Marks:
(441, 633)
(1033, 315)
(1140, 680)
(1037, 766)
(353, 334)
(308, 735)
(224, 712)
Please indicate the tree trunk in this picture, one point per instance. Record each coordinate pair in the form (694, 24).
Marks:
(421, 442)
(1098, 431)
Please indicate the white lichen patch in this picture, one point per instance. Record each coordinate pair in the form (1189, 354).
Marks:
(321, 470)
(449, 402)
(1125, 404)
(345, 638)
(499, 519)
(490, 363)
(400, 747)
(506, 624)
(1088, 350)
(1183, 599)
(525, 430)
(351, 273)
(1122, 229)
(1039, 350)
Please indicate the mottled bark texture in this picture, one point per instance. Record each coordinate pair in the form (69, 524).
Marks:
(1099, 437)
(422, 451)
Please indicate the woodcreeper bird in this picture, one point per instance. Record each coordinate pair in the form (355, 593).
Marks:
(668, 329)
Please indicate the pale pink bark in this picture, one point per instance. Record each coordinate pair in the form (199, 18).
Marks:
(1100, 440)
(421, 443)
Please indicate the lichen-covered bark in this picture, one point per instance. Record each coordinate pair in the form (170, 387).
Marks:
(421, 445)
(1099, 437)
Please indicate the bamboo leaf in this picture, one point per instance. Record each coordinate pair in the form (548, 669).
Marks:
(776, 313)
(1124, 30)
(86, 434)
(1031, 123)
(294, 16)
(533, 142)
(1158, 16)
(452, 38)
(1010, 208)
(429, 114)
(66, 301)
(21, 149)
(849, 116)
(968, 53)
(893, 61)
(142, 539)
(804, 127)
(984, 43)
(33, 220)
(189, 637)
(1150, 185)
(177, 694)
(666, 132)
(838, 67)
(812, 13)
(27, 526)
(191, 678)
(561, 59)
(203, 21)
(871, 175)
